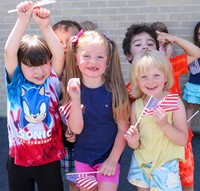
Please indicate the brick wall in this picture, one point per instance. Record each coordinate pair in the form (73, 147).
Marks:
(112, 17)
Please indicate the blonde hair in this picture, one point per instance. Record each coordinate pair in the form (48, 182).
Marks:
(143, 62)
(113, 77)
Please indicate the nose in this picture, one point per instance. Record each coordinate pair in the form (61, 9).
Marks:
(145, 47)
(92, 61)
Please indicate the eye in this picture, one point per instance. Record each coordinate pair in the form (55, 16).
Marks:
(137, 44)
(142, 77)
(101, 57)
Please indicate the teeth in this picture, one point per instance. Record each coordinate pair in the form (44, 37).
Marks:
(36, 142)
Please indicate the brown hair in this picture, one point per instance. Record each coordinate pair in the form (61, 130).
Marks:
(33, 51)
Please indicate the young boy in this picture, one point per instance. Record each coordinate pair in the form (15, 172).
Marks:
(33, 68)
(64, 30)
(143, 36)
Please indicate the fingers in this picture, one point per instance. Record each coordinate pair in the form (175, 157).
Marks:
(73, 84)
(41, 12)
(132, 130)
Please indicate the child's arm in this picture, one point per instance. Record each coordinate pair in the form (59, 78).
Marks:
(169, 50)
(75, 120)
(191, 50)
(109, 166)
(42, 18)
(132, 136)
(24, 10)
(176, 132)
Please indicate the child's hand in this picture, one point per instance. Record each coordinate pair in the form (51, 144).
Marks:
(41, 16)
(160, 116)
(132, 137)
(108, 168)
(25, 9)
(70, 136)
(73, 87)
(165, 37)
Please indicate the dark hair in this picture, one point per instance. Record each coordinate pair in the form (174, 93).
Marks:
(195, 35)
(65, 24)
(33, 51)
(134, 30)
(159, 26)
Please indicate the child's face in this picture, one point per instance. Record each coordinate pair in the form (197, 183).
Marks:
(92, 60)
(64, 36)
(36, 74)
(152, 82)
(140, 42)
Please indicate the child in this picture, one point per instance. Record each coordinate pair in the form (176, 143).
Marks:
(165, 47)
(192, 88)
(158, 141)
(33, 67)
(142, 36)
(64, 30)
(100, 124)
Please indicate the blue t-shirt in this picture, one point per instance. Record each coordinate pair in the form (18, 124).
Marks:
(95, 142)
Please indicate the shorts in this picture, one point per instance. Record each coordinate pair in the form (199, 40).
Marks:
(83, 167)
(165, 177)
(67, 163)
(187, 167)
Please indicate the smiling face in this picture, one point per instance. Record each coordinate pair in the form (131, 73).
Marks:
(152, 82)
(140, 42)
(92, 60)
(36, 74)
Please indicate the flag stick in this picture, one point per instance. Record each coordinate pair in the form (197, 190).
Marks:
(77, 173)
(142, 112)
(39, 3)
(192, 116)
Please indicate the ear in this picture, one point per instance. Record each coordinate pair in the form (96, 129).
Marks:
(129, 57)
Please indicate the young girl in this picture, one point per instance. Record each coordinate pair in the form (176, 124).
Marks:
(33, 68)
(102, 119)
(158, 141)
(165, 47)
(191, 93)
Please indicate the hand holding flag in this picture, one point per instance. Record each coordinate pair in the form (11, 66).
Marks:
(169, 103)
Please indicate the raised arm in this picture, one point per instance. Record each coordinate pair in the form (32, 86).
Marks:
(24, 10)
(75, 120)
(42, 18)
(191, 50)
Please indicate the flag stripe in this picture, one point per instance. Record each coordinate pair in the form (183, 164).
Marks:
(169, 103)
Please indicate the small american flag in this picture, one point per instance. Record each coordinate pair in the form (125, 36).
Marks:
(65, 109)
(83, 180)
(150, 106)
(168, 103)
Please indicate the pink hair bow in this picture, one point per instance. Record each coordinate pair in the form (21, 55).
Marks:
(75, 40)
